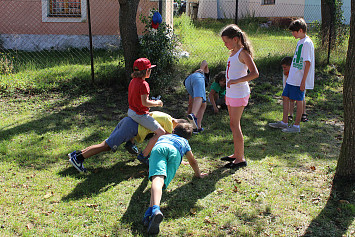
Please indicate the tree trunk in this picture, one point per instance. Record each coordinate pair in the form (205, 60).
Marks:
(345, 170)
(129, 36)
(327, 8)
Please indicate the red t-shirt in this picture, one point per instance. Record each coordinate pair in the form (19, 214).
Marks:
(136, 88)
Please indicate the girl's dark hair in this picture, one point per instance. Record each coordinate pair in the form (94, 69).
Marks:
(286, 61)
(183, 130)
(298, 24)
(220, 76)
(139, 74)
(232, 31)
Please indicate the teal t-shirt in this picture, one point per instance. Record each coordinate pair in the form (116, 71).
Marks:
(218, 89)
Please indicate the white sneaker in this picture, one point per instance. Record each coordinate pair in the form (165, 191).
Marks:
(278, 124)
(292, 129)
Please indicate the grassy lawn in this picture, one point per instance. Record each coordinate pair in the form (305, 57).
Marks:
(286, 190)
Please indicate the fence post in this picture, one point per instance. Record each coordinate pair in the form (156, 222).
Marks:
(161, 7)
(236, 12)
(90, 39)
(332, 19)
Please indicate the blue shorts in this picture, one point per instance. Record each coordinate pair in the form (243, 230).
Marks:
(293, 92)
(126, 129)
(164, 160)
(195, 85)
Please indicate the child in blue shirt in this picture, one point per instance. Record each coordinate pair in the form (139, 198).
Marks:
(165, 159)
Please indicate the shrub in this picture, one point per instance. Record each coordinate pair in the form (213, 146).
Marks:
(6, 64)
(160, 47)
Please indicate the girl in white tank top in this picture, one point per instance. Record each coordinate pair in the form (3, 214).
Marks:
(237, 88)
(235, 70)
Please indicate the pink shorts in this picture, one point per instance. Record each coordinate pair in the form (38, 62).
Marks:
(237, 102)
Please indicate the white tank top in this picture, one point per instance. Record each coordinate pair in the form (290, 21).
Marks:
(236, 69)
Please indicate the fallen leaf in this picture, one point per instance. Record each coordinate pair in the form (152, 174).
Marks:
(29, 226)
(344, 201)
(193, 211)
(235, 189)
(91, 205)
(313, 168)
(48, 195)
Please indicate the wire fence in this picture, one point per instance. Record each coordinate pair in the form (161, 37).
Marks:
(42, 32)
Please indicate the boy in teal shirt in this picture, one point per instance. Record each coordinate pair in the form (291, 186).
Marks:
(165, 159)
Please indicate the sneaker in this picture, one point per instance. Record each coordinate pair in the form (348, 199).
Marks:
(198, 130)
(146, 221)
(154, 222)
(290, 118)
(278, 124)
(131, 148)
(193, 120)
(143, 159)
(292, 129)
(75, 162)
(304, 118)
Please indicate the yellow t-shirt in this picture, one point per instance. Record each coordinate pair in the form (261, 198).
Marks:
(165, 120)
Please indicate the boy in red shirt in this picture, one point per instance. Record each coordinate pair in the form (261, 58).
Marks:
(139, 103)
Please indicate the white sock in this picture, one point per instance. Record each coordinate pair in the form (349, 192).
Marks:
(296, 126)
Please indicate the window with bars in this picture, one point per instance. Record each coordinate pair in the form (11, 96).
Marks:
(268, 2)
(64, 8)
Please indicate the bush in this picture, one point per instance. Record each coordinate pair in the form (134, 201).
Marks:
(160, 47)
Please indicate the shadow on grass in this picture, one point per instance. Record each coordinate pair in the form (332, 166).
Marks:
(101, 179)
(178, 202)
(337, 215)
(52, 122)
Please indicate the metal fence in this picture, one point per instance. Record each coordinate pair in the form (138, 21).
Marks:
(38, 30)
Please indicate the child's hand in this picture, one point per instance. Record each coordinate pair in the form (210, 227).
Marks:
(229, 83)
(159, 103)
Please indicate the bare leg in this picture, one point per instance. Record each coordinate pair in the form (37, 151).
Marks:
(299, 112)
(189, 108)
(286, 103)
(156, 190)
(200, 114)
(235, 114)
(160, 131)
(95, 149)
(196, 105)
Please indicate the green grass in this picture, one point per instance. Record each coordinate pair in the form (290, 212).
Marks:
(285, 190)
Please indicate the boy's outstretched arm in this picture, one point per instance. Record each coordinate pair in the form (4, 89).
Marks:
(194, 165)
(307, 66)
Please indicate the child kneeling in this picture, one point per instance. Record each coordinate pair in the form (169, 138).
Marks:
(164, 160)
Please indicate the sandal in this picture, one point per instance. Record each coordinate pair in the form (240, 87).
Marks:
(227, 158)
(304, 118)
(236, 165)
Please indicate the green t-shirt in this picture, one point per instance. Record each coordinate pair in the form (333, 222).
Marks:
(218, 89)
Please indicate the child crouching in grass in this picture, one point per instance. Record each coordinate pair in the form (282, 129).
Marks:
(164, 160)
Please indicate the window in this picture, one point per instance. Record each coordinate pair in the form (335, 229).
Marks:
(268, 2)
(63, 10)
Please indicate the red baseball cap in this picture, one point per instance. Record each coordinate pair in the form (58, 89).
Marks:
(142, 64)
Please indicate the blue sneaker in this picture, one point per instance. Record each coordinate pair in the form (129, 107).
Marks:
(146, 221)
(154, 222)
(143, 159)
(198, 130)
(131, 148)
(193, 120)
(75, 162)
